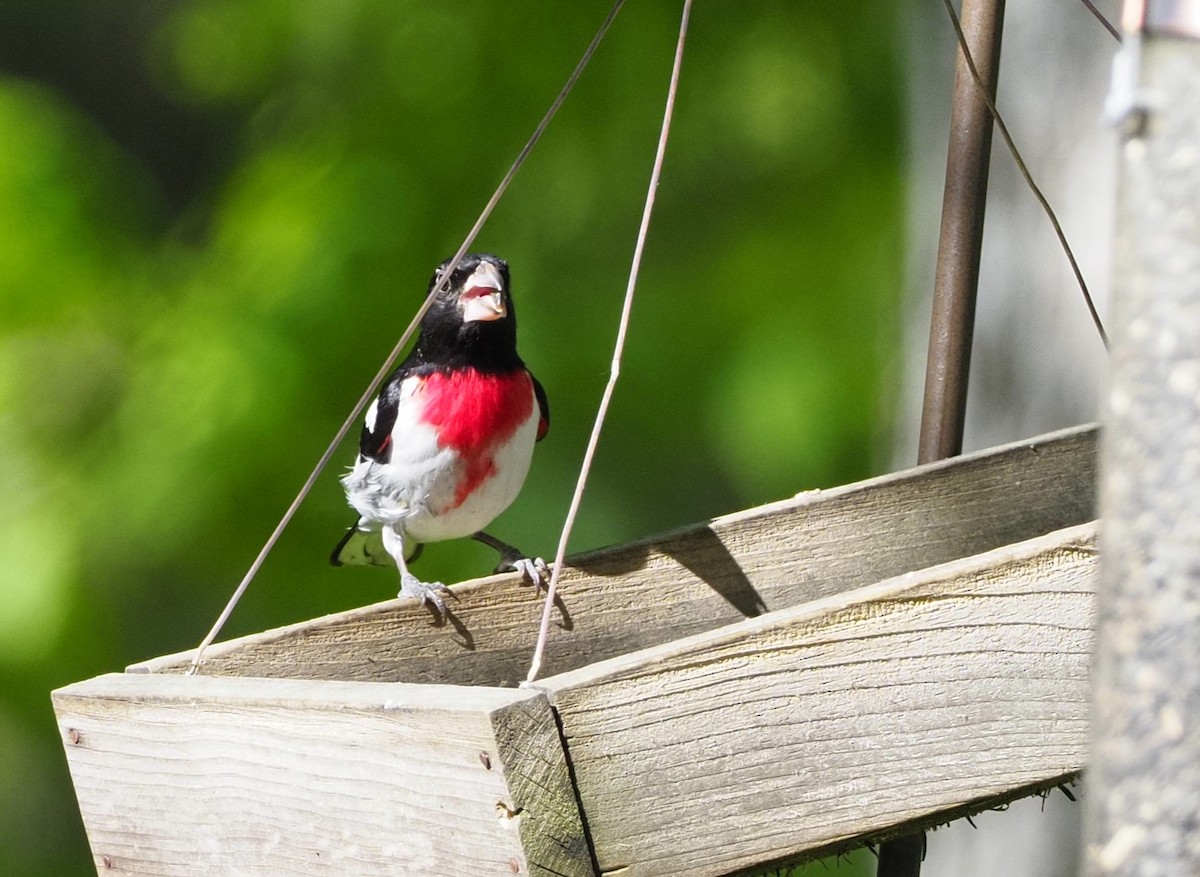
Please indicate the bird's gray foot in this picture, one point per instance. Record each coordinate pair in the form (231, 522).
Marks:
(533, 569)
(426, 592)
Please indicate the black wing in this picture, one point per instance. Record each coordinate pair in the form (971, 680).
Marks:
(375, 442)
(539, 393)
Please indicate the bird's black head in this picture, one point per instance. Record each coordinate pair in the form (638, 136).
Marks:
(472, 321)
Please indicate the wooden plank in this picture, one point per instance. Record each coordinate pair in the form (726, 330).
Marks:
(839, 720)
(201, 775)
(696, 579)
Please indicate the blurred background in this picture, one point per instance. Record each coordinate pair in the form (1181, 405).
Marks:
(217, 216)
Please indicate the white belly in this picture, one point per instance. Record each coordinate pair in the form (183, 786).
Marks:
(488, 500)
(416, 491)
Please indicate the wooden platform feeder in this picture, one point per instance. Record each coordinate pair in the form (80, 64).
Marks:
(770, 686)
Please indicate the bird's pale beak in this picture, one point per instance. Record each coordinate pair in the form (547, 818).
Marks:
(483, 295)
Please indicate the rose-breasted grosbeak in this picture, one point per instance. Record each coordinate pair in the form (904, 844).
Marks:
(447, 443)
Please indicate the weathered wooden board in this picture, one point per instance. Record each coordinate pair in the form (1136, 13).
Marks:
(838, 719)
(205, 776)
(696, 579)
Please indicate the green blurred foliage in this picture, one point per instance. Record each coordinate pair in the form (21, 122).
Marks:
(205, 257)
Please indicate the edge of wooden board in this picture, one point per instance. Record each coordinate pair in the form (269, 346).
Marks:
(922, 696)
(198, 775)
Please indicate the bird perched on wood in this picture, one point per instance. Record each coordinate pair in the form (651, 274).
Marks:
(447, 443)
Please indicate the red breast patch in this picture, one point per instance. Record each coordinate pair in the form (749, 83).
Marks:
(475, 414)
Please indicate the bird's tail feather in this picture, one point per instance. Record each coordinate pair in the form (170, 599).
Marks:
(362, 547)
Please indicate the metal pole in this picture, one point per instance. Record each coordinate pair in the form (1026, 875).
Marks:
(1142, 811)
(957, 273)
(955, 282)
(901, 856)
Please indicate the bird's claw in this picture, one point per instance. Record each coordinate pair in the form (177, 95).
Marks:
(532, 569)
(426, 592)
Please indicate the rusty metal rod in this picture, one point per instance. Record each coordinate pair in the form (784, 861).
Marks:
(955, 285)
(957, 273)
(901, 856)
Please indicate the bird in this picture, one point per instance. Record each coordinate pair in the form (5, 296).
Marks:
(447, 443)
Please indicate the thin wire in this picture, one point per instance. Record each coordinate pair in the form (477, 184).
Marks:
(1104, 21)
(618, 348)
(404, 338)
(1037, 193)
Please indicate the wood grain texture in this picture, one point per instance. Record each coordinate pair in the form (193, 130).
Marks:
(837, 720)
(202, 776)
(696, 579)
